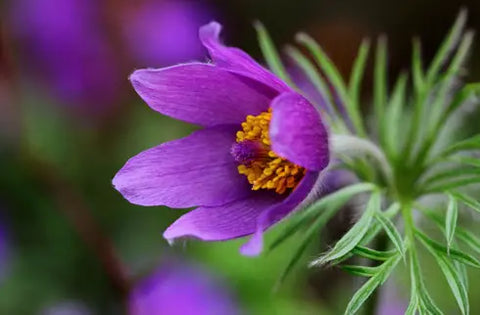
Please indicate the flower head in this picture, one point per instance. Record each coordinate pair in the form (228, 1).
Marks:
(63, 44)
(159, 33)
(257, 158)
(179, 290)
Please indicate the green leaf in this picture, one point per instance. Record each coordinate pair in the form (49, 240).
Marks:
(367, 289)
(376, 227)
(329, 204)
(362, 271)
(309, 69)
(417, 68)
(472, 143)
(427, 304)
(353, 237)
(451, 174)
(333, 76)
(454, 278)
(469, 201)
(270, 53)
(392, 232)
(309, 234)
(452, 184)
(447, 46)
(356, 82)
(372, 253)
(471, 161)
(460, 98)
(380, 86)
(451, 221)
(394, 114)
(453, 253)
(467, 237)
(412, 306)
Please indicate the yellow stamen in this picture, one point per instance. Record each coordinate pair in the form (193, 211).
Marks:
(269, 171)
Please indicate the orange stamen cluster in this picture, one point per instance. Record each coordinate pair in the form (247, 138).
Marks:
(267, 170)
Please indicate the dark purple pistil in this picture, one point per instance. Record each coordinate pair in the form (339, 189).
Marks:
(245, 152)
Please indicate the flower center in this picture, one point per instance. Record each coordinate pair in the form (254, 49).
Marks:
(264, 169)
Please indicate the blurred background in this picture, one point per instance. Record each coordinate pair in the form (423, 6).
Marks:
(69, 119)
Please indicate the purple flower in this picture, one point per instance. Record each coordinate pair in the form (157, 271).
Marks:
(257, 158)
(4, 249)
(390, 302)
(63, 43)
(160, 33)
(180, 291)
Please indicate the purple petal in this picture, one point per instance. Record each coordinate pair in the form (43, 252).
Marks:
(236, 60)
(277, 212)
(297, 132)
(192, 171)
(201, 93)
(175, 288)
(236, 219)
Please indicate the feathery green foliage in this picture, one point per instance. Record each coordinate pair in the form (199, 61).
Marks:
(406, 160)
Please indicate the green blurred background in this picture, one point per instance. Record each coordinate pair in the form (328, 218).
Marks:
(64, 220)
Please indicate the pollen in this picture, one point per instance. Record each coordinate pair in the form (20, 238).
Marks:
(264, 169)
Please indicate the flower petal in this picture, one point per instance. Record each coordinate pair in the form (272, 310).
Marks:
(277, 212)
(192, 171)
(297, 132)
(236, 219)
(236, 60)
(202, 93)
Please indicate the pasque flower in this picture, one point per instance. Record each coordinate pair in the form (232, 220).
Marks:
(160, 33)
(64, 44)
(257, 158)
(180, 290)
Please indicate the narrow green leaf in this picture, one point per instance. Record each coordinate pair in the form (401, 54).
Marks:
(371, 285)
(471, 161)
(452, 184)
(329, 204)
(355, 83)
(333, 76)
(418, 290)
(270, 53)
(463, 235)
(372, 253)
(417, 68)
(309, 234)
(469, 201)
(454, 254)
(391, 212)
(325, 63)
(447, 46)
(427, 304)
(412, 306)
(451, 174)
(392, 232)
(380, 86)
(454, 278)
(393, 117)
(472, 143)
(451, 221)
(353, 237)
(460, 98)
(362, 271)
(309, 69)
(469, 239)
